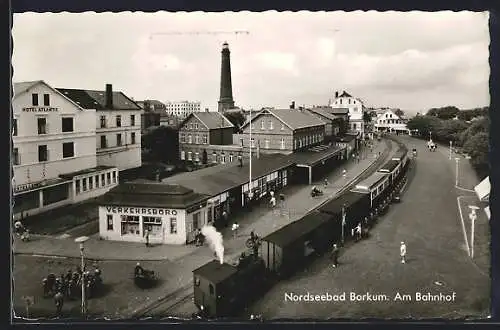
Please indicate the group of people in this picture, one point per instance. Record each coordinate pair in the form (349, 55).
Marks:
(69, 285)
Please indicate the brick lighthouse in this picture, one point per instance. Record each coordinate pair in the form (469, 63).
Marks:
(226, 90)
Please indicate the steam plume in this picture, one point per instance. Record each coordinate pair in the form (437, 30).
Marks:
(215, 241)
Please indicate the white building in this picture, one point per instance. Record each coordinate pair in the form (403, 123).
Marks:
(53, 157)
(483, 194)
(356, 110)
(118, 125)
(182, 108)
(170, 213)
(388, 121)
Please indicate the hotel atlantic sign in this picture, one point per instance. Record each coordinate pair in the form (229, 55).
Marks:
(40, 109)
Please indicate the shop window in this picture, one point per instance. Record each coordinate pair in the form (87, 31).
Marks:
(91, 183)
(153, 225)
(173, 225)
(103, 180)
(231, 158)
(114, 176)
(77, 186)
(84, 184)
(109, 222)
(130, 225)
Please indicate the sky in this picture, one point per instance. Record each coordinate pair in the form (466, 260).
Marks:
(408, 60)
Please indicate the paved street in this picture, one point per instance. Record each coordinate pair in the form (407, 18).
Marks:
(173, 263)
(428, 221)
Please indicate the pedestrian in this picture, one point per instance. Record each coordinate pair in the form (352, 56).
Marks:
(344, 172)
(272, 201)
(146, 235)
(234, 228)
(59, 301)
(402, 252)
(326, 183)
(358, 231)
(335, 255)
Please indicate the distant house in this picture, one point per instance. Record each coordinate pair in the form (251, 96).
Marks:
(206, 137)
(355, 107)
(333, 117)
(388, 121)
(153, 110)
(281, 131)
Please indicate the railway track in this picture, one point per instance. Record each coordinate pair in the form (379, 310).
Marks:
(164, 305)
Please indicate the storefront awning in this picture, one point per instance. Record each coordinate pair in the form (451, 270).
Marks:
(483, 190)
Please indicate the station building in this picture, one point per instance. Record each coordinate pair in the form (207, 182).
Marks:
(53, 156)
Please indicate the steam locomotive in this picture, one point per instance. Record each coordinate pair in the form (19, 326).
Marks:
(223, 290)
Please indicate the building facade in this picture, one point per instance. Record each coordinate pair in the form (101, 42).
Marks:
(333, 121)
(356, 110)
(207, 137)
(118, 126)
(170, 214)
(281, 131)
(388, 121)
(182, 109)
(153, 111)
(54, 156)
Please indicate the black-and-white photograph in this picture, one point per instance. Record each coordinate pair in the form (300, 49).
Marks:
(250, 166)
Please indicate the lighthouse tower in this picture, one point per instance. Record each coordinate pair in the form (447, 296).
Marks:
(226, 90)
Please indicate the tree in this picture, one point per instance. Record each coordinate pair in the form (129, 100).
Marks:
(448, 112)
(236, 118)
(480, 126)
(366, 117)
(398, 112)
(478, 148)
(163, 144)
(450, 130)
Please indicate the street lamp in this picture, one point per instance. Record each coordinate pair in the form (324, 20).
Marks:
(81, 240)
(451, 144)
(472, 217)
(457, 159)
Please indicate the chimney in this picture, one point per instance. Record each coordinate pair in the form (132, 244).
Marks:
(336, 94)
(109, 96)
(292, 106)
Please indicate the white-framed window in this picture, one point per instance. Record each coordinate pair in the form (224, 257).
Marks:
(282, 127)
(205, 139)
(196, 139)
(223, 159)
(252, 143)
(190, 139)
(266, 143)
(262, 125)
(214, 158)
(271, 124)
(231, 158)
(190, 155)
(197, 156)
(282, 143)
(183, 155)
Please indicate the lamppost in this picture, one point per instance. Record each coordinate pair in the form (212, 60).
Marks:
(457, 159)
(451, 144)
(472, 217)
(81, 240)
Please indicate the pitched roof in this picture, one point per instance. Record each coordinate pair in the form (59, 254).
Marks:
(339, 111)
(21, 87)
(314, 155)
(293, 118)
(152, 195)
(215, 180)
(299, 228)
(212, 120)
(345, 94)
(324, 112)
(90, 99)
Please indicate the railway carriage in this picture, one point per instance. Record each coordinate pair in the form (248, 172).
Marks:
(376, 187)
(355, 205)
(392, 168)
(401, 155)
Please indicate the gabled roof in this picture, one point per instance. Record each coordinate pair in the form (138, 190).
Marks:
(293, 118)
(345, 94)
(324, 112)
(24, 86)
(483, 190)
(211, 120)
(21, 87)
(90, 99)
